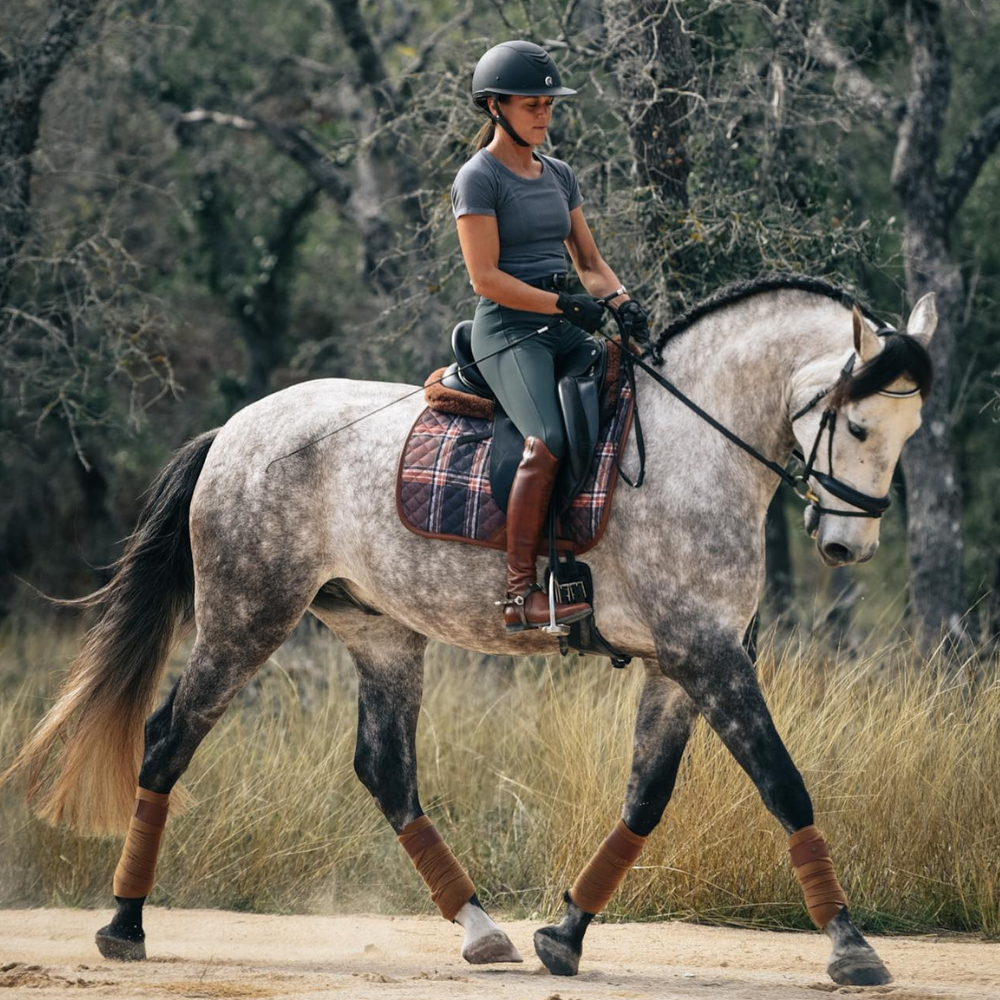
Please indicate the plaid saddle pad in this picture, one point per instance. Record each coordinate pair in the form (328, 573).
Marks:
(443, 481)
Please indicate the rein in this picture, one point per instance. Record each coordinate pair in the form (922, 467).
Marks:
(868, 505)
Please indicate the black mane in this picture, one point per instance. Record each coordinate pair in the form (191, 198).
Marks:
(738, 290)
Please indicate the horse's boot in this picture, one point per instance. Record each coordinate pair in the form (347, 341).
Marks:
(526, 605)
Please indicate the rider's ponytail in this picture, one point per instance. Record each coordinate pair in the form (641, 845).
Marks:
(485, 135)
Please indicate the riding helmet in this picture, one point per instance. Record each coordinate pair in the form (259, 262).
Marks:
(517, 67)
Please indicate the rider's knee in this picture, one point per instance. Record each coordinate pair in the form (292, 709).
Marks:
(555, 441)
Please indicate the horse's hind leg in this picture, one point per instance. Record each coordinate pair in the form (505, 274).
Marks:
(718, 677)
(662, 726)
(389, 658)
(224, 658)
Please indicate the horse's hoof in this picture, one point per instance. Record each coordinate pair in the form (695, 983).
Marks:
(859, 969)
(121, 949)
(556, 952)
(491, 948)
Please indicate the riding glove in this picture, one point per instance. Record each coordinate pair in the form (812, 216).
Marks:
(635, 321)
(584, 311)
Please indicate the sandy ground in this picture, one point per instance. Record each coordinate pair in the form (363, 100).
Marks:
(210, 953)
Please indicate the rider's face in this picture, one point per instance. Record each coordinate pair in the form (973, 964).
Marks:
(529, 117)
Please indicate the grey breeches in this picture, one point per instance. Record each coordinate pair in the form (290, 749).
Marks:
(523, 377)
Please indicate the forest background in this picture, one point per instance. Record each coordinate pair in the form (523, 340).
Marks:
(204, 203)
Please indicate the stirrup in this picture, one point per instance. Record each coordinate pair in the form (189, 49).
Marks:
(553, 628)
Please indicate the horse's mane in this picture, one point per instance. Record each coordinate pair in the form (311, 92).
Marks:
(902, 353)
(738, 290)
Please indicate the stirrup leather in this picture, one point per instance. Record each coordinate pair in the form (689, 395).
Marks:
(518, 602)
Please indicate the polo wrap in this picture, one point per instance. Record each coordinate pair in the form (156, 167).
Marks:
(450, 886)
(814, 869)
(597, 883)
(136, 871)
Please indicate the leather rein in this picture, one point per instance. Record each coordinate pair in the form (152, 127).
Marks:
(868, 505)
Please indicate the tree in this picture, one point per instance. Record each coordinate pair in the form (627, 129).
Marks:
(930, 199)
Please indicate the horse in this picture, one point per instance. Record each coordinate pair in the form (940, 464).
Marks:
(252, 525)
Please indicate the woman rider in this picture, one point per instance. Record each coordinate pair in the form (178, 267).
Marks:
(515, 209)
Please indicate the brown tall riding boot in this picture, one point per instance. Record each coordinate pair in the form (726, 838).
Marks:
(527, 605)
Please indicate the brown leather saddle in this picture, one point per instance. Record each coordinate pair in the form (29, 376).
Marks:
(587, 391)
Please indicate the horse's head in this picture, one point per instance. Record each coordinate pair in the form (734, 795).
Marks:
(854, 430)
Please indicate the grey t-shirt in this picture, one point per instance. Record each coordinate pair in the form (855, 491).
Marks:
(532, 213)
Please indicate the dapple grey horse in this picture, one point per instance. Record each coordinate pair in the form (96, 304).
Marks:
(248, 545)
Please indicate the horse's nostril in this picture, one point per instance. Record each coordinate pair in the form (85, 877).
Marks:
(836, 552)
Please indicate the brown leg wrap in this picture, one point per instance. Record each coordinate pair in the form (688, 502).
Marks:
(136, 871)
(450, 886)
(814, 870)
(596, 884)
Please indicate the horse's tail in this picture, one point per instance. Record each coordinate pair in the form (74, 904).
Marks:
(104, 701)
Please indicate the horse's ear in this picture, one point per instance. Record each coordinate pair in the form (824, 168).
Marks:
(923, 320)
(866, 342)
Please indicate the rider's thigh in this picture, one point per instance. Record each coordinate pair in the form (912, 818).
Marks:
(521, 376)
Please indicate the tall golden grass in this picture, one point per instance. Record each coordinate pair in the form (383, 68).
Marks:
(523, 768)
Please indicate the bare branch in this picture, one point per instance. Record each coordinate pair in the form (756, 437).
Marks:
(297, 142)
(362, 44)
(197, 116)
(427, 49)
(850, 79)
(976, 149)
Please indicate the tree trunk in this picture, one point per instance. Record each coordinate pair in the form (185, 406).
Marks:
(23, 84)
(654, 68)
(934, 506)
(778, 559)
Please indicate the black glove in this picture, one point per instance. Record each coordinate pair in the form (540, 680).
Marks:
(635, 321)
(584, 311)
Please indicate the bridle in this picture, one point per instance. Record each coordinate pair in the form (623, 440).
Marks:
(866, 504)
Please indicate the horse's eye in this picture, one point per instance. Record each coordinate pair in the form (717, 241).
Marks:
(859, 432)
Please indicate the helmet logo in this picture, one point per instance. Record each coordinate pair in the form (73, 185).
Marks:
(548, 81)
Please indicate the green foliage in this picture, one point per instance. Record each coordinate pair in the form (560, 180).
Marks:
(155, 236)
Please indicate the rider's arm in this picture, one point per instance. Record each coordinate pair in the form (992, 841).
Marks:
(480, 240)
(590, 266)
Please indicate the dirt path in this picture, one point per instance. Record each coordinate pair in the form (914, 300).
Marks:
(209, 953)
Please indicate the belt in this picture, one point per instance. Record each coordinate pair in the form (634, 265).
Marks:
(558, 282)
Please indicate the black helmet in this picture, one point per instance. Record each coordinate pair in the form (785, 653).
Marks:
(520, 68)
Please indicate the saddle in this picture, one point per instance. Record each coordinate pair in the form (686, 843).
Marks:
(587, 391)
(442, 488)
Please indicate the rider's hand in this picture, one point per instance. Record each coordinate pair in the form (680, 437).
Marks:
(584, 311)
(635, 320)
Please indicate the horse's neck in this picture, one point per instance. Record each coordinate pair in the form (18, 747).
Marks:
(744, 366)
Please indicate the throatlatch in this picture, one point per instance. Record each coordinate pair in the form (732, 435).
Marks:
(814, 869)
(449, 883)
(136, 871)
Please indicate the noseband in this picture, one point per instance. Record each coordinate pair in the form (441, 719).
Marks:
(868, 505)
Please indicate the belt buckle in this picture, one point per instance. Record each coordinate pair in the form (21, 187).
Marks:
(560, 281)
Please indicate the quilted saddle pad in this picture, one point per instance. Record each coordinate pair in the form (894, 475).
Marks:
(443, 482)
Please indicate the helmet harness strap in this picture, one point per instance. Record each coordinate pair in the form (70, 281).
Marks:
(500, 120)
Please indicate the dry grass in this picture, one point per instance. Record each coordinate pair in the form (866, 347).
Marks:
(523, 771)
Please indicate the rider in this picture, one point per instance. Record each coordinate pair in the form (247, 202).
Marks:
(515, 208)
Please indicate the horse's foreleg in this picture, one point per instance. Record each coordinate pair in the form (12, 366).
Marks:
(661, 733)
(389, 660)
(719, 678)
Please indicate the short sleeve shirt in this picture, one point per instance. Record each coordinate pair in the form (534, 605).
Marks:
(532, 213)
